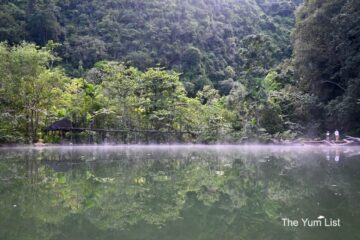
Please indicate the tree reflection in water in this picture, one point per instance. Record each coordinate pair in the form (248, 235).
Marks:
(177, 192)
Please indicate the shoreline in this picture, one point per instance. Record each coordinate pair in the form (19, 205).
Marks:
(172, 145)
(347, 141)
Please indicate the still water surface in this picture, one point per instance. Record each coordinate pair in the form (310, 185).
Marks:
(178, 192)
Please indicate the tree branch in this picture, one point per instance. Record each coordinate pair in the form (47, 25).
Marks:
(334, 83)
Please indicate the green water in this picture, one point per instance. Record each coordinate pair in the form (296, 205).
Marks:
(178, 192)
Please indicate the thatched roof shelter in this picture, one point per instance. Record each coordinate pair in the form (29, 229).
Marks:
(61, 125)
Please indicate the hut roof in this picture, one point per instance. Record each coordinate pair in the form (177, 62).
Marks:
(63, 124)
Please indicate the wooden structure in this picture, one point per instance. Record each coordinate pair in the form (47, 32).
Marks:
(61, 125)
(64, 126)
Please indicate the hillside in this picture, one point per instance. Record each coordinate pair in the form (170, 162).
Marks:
(209, 41)
(214, 71)
(327, 59)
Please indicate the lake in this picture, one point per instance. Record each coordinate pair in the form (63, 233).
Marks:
(179, 192)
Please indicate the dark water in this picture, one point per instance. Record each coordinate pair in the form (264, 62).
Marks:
(178, 193)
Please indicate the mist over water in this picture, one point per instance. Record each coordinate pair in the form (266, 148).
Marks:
(177, 191)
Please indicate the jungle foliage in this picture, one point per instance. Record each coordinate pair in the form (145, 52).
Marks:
(199, 39)
(220, 71)
(327, 58)
(35, 94)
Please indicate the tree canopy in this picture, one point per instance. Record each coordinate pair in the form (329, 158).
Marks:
(220, 71)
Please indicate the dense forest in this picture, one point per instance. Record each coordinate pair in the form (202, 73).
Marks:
(220, 71)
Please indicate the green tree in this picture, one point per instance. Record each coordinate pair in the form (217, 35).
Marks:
(29, 89)
(326, 59)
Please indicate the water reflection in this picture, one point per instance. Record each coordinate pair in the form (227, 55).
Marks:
(182, 192)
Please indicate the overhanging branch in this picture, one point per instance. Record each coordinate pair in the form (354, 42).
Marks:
(334, 83)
